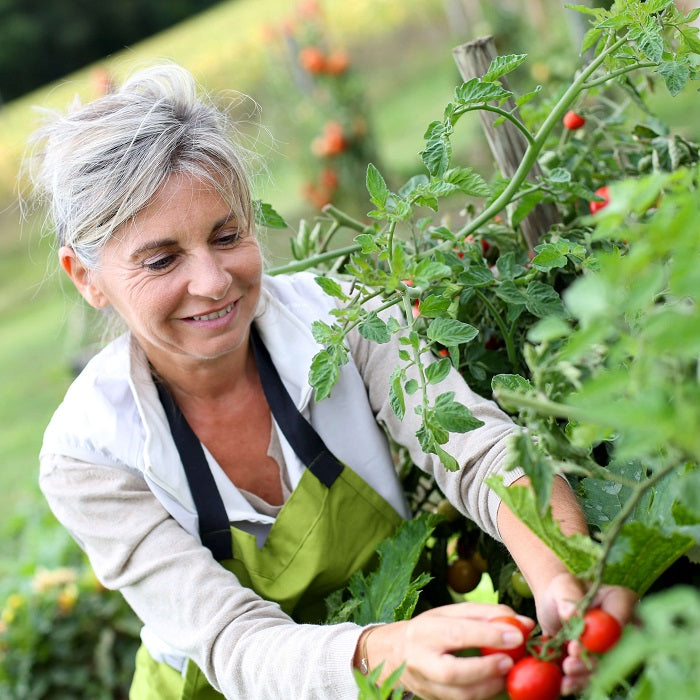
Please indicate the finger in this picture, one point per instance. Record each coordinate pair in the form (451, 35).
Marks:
(618, 601)
(472, 677)
(471, 610)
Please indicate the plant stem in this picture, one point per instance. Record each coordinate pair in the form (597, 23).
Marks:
(616, 73)
(615, 528)
(534, 147)
(310, 262)
(345, 220)
(507, 337)
(504, 113)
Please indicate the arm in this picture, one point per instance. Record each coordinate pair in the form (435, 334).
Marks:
(246, 646)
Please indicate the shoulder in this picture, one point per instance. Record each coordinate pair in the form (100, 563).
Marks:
(98, 409)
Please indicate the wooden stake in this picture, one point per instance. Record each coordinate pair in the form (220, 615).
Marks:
(507, 144)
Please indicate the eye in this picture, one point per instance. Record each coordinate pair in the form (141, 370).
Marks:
(159, 264)
(228, 238)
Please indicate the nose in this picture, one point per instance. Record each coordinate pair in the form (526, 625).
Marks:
(208, 276)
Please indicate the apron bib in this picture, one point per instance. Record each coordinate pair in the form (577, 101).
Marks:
(327, 529)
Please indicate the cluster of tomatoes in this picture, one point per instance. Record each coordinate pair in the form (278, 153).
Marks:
(316, 62)
(537, 674)
(573, 121)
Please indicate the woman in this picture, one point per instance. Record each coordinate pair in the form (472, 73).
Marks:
(189, 459)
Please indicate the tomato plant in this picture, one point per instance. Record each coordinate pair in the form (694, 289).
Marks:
(598, 322)
(533, 679)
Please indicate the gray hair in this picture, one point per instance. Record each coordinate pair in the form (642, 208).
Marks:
(98, 165)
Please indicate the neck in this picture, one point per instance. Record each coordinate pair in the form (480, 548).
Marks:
(207, 380)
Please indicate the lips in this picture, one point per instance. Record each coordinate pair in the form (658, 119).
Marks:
(214, 314)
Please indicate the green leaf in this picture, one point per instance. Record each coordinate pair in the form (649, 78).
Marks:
(512, 383)
(331, 287)
(266, 216)
(435, 372)
(374, 329)
(433, 305)
(577, 552)
(549, 257)
(542, 300)
(641, 554)
(468, 182)
(476, 91)
(367, 242)
(511, 293)
(524, 453)
(476, 276)
(323, 333)
(438, 149)
(675, 75)
(501, 65)
(396, 397)
(323, 374)
(383, 594)
(454, 416)
(376, 186)
(450, 331)
(649, 40)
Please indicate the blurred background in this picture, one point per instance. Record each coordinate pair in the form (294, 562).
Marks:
(321, 88)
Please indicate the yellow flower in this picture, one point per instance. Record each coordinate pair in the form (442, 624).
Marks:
(45, 579)
(67, 598)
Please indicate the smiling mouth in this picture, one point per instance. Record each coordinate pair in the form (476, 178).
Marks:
(215, 314)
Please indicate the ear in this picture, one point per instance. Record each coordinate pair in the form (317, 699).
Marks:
(82, 278)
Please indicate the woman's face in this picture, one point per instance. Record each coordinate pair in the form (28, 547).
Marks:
(184, 275)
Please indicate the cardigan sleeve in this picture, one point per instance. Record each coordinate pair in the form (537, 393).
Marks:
(246, 646)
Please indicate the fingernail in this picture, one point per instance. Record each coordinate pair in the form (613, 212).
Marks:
(505, 664)
(512, 638)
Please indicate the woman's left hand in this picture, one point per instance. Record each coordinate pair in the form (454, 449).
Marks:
(559, 602)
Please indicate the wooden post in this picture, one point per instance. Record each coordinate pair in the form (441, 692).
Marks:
(507, 144)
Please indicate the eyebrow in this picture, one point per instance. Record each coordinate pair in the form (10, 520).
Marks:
(167, 242)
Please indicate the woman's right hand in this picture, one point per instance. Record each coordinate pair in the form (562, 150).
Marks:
(427, 644)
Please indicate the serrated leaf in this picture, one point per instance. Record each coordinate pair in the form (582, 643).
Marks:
(435, 372)
(367, 242)
(383, 593)
(468, 181)
(322, 332)
(542, 300)
(640, 554)
(524, 453)
(374, 329)
(577, 552)
(450, 331)
(501, 65)
(266, 216)
(437, 153)
(396, 397)
(510, 293)
(675, 75)
(475, 91)
(323, 374)
(549, 257)
(331, 287)
(454, 416)
(376, 186)
(476, 276)
(433, 306)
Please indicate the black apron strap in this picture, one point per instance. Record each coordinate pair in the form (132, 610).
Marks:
(214, 526)
(305, 441)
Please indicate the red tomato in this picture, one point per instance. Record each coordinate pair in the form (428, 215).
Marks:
(600, 631)
(312, 59)
(533, 679)
(515, 653)
(597, 206)
(573, 121)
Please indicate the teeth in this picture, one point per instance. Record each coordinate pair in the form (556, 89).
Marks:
(215, 314)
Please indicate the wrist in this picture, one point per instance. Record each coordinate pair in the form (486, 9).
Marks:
(361, 660)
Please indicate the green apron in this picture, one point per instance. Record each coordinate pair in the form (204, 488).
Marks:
(329, 528)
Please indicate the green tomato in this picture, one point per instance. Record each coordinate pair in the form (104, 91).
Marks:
(520, 585)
